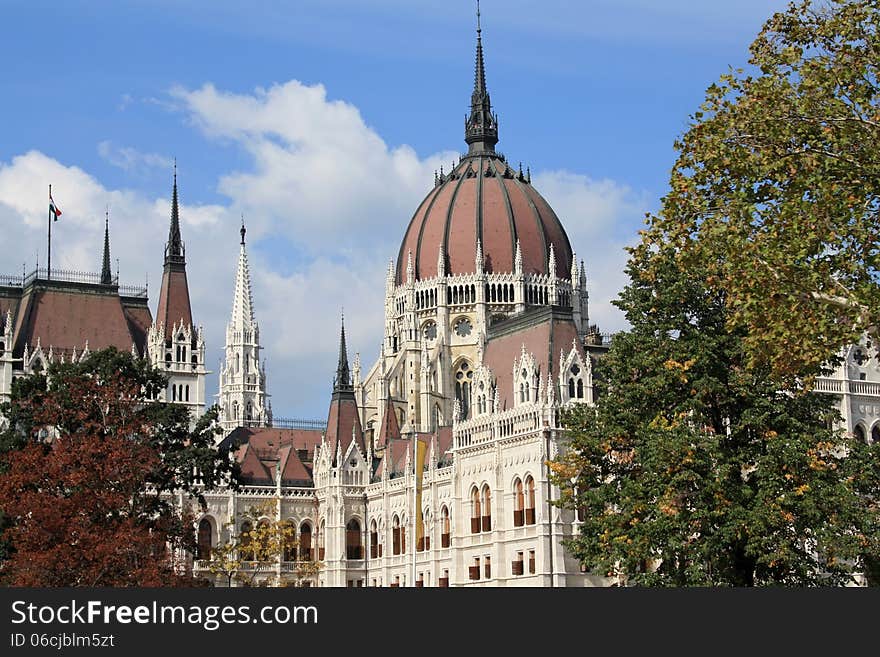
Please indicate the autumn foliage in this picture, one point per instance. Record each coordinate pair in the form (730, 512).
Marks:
(86, 468)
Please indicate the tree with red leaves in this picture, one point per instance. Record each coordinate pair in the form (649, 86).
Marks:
(87, 467)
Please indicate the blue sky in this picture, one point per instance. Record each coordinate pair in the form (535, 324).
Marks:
(322, 121)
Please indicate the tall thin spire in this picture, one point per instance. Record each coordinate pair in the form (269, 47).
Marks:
(481, 126)
(174, 248)
(242, 302)
(342, 382)
(106, 274)
(174, 306)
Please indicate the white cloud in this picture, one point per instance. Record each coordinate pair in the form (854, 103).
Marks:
(326, 200)
(130, 159)
(598, 216)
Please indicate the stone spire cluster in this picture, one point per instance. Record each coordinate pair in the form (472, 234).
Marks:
(244, 401)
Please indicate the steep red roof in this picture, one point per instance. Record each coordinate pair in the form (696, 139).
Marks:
(174, 305)
(544, 332)
(342, 418)
(66, 316)
(259, 450)
(390, 427)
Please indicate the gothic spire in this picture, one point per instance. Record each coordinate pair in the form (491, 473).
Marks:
(481, 127)
(242, 301)
(342, 381)
(174, 306)
(106, 274)
(175, 248)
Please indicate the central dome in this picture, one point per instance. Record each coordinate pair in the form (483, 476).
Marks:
(483, 199)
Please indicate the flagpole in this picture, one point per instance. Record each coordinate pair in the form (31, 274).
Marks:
(49, 255)
(415, 538)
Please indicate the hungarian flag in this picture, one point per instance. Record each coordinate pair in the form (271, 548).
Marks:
(54, 210)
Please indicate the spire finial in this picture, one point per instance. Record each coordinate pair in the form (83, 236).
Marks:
(342, 382)
(106, 275)
(481, 128)
(243, 229)
(174, 248)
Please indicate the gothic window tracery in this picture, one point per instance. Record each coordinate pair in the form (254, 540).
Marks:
(463, 378)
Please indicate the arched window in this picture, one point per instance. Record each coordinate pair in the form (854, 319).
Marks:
(571, 390)
(374, 541)
(463, 376)
(305, 542)
(475, 511)
(235, 410)
(424, 543)
(244, 542)
(518, 505)
(237, 363)
(444, 526)
(205, 539)
(395, 535)
(187, 392)
(875, 434)
(530, 500)
(487, 509)
(173, 392)
(167, 359)
(580, 390)
(321, 541)
(860, 433)
(353, 540)
(288, 536)
(249, 411)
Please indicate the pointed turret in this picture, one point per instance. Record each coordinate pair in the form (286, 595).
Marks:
(481, 127)
(242, 301)
(106, 274)
(343, 420)
(244, 400)
(342, 380)
(174, 306)
(175, 247)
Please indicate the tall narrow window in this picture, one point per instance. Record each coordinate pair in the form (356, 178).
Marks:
(321, 531)
(475, 511)
(305, 542)
(463, 377)
(530, 500)
(353, 540)
(395, 535)
(205, 540)
(487, 509)
(518, 517)
(444, 534)
(374, 541)
(245, 551)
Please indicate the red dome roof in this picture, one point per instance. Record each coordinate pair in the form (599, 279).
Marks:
(484, 199)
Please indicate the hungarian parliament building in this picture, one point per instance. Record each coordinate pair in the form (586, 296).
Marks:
(486, 339)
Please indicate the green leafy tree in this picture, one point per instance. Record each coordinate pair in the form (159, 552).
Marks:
(774, 195)
(694, 469)
(88, 463)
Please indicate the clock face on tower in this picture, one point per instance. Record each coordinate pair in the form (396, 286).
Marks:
(463, 327)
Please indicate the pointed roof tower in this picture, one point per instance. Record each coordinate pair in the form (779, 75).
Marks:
(343, 420)
(342, 380)
(481, 127)
(106, 274)
(174, 305)
(242, 302)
